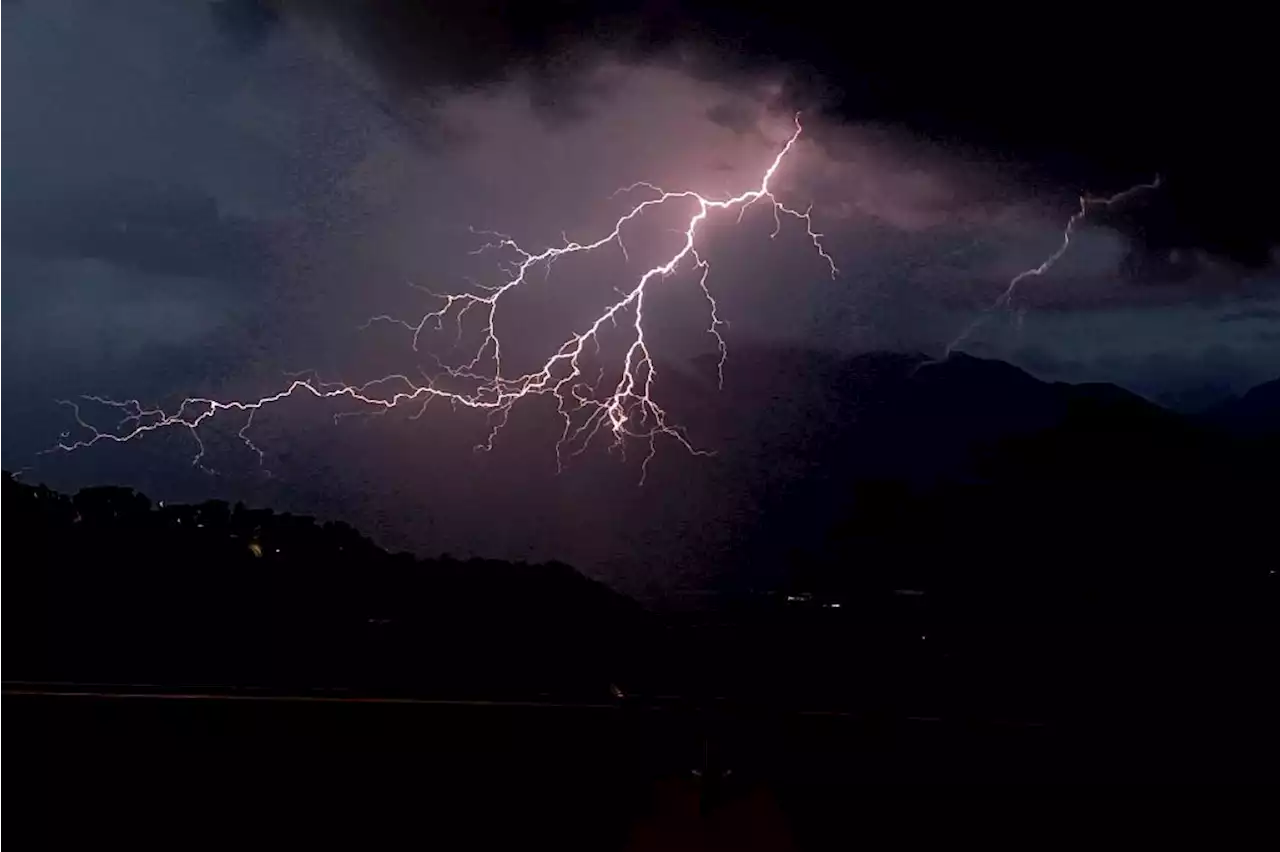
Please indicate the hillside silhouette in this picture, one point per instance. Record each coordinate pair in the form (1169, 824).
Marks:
(108, 587)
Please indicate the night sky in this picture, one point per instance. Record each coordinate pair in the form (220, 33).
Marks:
(198, 197)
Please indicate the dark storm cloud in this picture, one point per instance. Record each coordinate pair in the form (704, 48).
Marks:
(1261, 313)
(417, 46)
(133, 224)
(245, 24)
(1093, 103)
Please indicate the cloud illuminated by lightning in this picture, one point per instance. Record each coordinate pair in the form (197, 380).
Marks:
(627, 408)
(1087, 204)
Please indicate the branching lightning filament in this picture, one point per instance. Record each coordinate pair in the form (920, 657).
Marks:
(625, 406)
(1087, 204)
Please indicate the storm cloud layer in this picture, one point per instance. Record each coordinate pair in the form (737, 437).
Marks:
(1078, 98)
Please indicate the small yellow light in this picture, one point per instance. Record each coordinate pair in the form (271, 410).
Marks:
(255, 549)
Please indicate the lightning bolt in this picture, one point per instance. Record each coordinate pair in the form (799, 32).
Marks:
(627, 409)
(1087, 204)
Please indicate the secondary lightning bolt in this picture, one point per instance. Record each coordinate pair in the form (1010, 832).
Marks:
(1087, 204)
(628, 410)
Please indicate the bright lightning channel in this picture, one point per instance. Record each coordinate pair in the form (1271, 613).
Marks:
(628, 410)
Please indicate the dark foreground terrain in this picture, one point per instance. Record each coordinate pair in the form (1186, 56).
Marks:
(612, 775)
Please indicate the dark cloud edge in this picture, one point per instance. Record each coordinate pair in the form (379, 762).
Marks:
(1072, 106)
